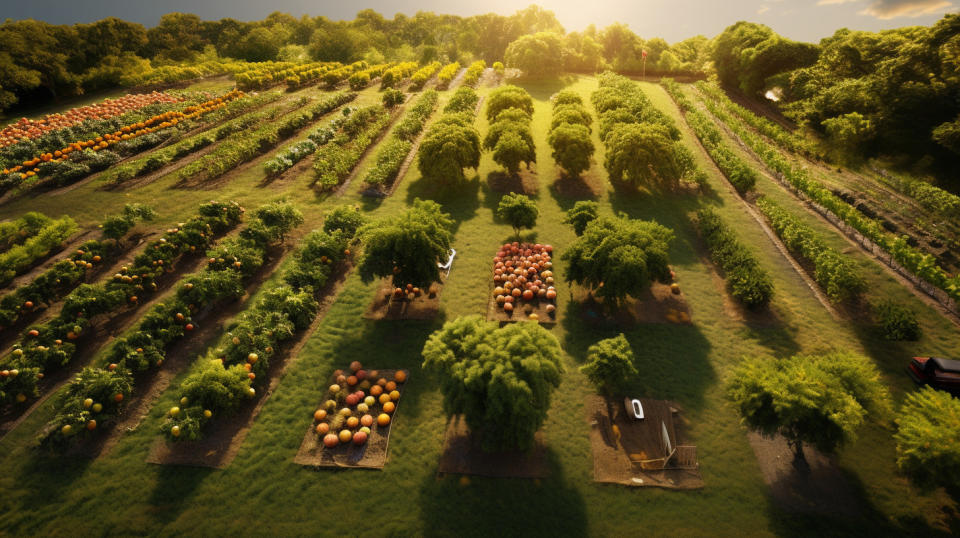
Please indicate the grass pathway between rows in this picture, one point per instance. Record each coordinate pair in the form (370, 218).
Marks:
(264, 492)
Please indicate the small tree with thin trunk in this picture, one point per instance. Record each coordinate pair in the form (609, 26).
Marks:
(518, 210)
(819, 400)
(610, 366)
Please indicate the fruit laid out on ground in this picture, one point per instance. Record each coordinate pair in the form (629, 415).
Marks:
(523, 277)
(108, 108)
(358, 406)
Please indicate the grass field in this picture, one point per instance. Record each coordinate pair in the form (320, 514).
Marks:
(264, 492)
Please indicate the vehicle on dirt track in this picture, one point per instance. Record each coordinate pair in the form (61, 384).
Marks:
(943, 374)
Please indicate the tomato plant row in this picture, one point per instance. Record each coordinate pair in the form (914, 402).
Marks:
(394, 151)
(334, 161)
(51, 345)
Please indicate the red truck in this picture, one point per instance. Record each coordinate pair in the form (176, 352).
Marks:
(943, 374)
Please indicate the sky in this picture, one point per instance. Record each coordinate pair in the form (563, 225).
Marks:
(674, 20)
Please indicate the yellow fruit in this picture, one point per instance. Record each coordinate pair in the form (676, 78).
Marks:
(175, 431)
(207, 413)
(174, 411)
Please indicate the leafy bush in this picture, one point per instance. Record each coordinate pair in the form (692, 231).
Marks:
(472, 76)
(445, 77)
(21, 257)
(833, 271)
(407, 247)
(508, 96)
(499, 379)
(463, 100)
(610, 366)
(392, 98)
(747, 281)
(928, 427)
(345, 218)
(424, 74)
(897, 322)
(581, 214)
(519, 211)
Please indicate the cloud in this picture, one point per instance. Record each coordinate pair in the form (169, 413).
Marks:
(890, 9)
(763, 9)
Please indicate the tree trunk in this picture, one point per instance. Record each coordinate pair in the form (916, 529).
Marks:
(799, 460)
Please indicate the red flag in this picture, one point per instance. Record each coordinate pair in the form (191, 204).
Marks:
(644, 53)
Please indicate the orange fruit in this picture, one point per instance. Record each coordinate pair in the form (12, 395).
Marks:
(395, 395)
(400, 376)
(389, 407)
(383, 419)
(384, 398)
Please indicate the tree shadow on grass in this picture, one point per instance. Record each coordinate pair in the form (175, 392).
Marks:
(174, 490)
(858, 517)
(542, 89)
(672, 360)
(461, 200)
(50, 475)
(494, 506)
(567, 190)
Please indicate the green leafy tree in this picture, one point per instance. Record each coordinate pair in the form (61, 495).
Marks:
(610, 366)
(581, 214)
(499, 379)
(540, 55)
(849, 132)
(928, 427)
(619, 256)
(446, 150)
(508, 96)
(346, 218)
(463, 100)
(572, 147)
(897, 322)
(407, 247)
(511, 150)
(820, 400)
(642, 154)
(117, 226)
(518, 210)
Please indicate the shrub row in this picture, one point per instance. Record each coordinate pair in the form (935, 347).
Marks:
(119, 174)
(929, 196)
(570, 130)
(261, 75)
(16, 231)
(472, 76)
(835, 273)
(21, 257)
(423, 75)
(231, 263)
(225, 378)
(921, 264)
(336, 76)
(746, 280)
(394, 151)
(770, 129)
(395, 75)
(510, 111)
(741, 176)
(445, 76)
(361, 79)
(290, 156)
(49, 346)
(334, 161)
(452, 143)
(57, 281)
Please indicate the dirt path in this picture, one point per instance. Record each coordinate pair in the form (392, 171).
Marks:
(40, 314)
(752, 211)
(101, 334)
(211, 324)
(48, 261)
(458, 80)
(766, 173)
(397, 113)
(222, 442)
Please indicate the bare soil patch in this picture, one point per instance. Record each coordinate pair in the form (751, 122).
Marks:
(462, 454)
(409, 306)
(617, 453)
(586, 186)
(522, 313)
(821, 490)
(222, 441)
(370, 455)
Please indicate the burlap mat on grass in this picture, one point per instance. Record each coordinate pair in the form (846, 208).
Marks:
(611, 457)
(370, 455)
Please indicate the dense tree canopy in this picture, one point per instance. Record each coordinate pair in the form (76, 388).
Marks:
(746, 54)
(519, 211)
(407, 247)
(499, 379)
(619, 256)
(927, 434)
(820, 400)
(610, 366)
(539, 55)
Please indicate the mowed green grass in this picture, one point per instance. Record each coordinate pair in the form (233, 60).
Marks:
(264, 492)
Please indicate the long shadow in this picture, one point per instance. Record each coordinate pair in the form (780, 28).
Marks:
(672, 360)
(50, 476)
(174, 490)
(543, 89)
(567, 190)
(495, 506)
(461, 200)
(859, 518)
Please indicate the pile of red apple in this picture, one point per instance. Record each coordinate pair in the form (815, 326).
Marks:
(523, 274)
(349, 412)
